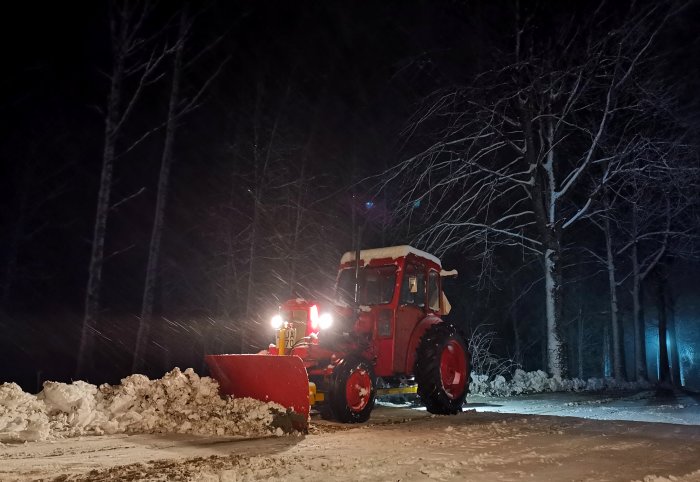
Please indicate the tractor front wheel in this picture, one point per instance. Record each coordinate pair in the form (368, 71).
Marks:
(442, 369)
(352, 391)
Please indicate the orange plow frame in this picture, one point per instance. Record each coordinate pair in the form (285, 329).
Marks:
(269, 378)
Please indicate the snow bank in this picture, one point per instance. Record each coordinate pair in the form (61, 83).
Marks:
(538, 381)
(180, 402)
(22, 416)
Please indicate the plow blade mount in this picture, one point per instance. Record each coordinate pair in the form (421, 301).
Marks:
(269, 378)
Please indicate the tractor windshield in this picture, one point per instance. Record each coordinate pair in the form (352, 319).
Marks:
(376, 285)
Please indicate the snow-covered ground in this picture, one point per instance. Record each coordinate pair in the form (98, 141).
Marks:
(177, 428)
(641, 406)
(397, 444)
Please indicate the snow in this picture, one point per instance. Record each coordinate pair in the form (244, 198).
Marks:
(609, 405)
(178, 428)
(446, 273)
(538, 381)
(22, 416)
(396, 444)
(180, 402)
(391, 252)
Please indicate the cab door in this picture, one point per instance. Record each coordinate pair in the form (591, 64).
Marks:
(411, 310)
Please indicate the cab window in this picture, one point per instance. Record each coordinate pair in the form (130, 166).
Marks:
(413, 286)
(434, 291)
(376, 285)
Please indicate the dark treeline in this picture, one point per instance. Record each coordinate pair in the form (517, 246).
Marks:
(232, 150)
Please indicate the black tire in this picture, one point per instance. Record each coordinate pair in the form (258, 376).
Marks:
(356, 410)
(432, 391)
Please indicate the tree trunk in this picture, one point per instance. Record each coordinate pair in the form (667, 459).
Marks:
(92, 296)
(92, 292)
(640, 356)
(138, 362)
(553, 282)
(516, 333)
(607, 362)
(673, 343)
(664, 384)
(617, 347)
(579, 344)
(640, 365)
(553, 272)
(544, 201)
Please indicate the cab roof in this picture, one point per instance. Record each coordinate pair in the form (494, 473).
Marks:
(392, 252)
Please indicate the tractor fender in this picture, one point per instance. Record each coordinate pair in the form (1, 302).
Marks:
(416, 336)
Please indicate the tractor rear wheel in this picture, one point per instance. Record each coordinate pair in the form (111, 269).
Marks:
(352, 390)
(442, 369)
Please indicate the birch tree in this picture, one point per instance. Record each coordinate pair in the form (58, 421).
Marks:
(505, 162)
(179, 105)
(135, 66)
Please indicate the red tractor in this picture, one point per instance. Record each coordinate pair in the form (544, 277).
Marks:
(383, 328)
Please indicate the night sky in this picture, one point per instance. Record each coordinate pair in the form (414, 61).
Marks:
(312, 105)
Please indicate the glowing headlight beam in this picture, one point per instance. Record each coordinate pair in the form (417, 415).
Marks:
(325, 321)
(276, 322)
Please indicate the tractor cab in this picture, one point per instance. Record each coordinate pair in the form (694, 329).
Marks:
(399, 287)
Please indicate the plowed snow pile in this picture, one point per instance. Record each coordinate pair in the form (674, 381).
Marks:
(180, 402)
(523, 382)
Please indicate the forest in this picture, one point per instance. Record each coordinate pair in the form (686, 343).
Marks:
(171, 172)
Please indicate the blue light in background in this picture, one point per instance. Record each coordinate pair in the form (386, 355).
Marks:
(686, 353)
(688, 349)
(369, 204)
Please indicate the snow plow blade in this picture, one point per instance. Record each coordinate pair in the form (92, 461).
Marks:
(268, 378)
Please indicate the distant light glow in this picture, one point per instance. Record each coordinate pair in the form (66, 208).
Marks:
(369, 204)
(276, 322)
(687, 359)
(416, 203)
(687, 354)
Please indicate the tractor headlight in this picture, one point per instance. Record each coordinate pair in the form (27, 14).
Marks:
(277, 322)
(325, 321)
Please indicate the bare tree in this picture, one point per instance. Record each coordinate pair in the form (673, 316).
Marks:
(508, 165)
(483, 360)
(654, 225)
(135, 64)
(178, 107)
(610, 266)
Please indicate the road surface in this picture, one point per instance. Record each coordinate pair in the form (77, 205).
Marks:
(397, 444)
